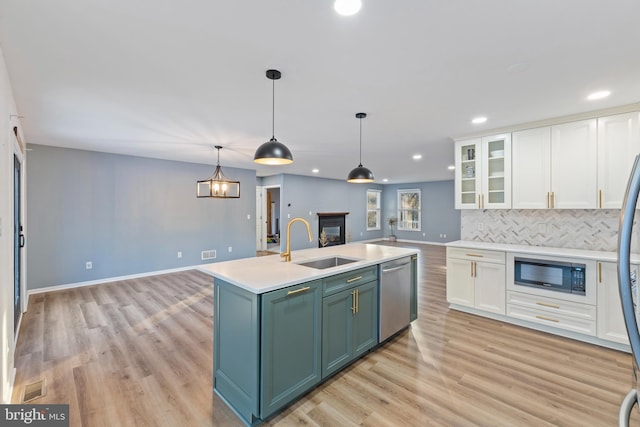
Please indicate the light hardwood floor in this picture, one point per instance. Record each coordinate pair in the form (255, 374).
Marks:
(139, 352)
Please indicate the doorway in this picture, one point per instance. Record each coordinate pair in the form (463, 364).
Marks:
(18, 242)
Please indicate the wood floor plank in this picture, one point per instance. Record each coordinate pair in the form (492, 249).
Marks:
(140, 353)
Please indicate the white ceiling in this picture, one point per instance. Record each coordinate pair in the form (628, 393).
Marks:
(171, 79)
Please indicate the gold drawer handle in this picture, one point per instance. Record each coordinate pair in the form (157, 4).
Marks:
(354, 279)
(475, 255)
(547, 318)
(544, 304)
(297, 291)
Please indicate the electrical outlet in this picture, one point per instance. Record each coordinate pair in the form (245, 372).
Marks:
(310, 213)
(444, 236)
(179, 254)
(230, 248)
(89, 265)
(248, 216)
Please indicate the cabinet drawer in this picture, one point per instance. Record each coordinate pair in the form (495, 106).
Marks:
(342, 281)
(555, 320)
(552, 305)
(482, 255)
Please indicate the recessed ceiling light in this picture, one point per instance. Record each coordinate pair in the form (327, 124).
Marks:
(451, 167)
(599, 95)
(478, 120)
(385, 180)
(417, 156)
(347, 7)
(315, 170)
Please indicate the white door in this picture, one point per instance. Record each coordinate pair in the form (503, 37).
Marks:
(610, 319)
(531, 170)
(261, 223)
(490, 287)
(460, 282)
(573, 163)
(618, 145)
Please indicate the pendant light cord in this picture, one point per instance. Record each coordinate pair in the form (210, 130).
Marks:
(273, 109)
(361, 142)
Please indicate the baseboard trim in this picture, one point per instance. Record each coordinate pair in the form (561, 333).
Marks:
(419, 242)
(106, 280)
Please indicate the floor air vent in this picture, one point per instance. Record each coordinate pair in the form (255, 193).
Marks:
(34, 391)
(205, 255)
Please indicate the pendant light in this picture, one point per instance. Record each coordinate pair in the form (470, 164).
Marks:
(360, 174)
(273, 152)
(218, 185)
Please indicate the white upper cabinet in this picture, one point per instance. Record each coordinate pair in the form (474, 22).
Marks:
(531, 155)
(574, 163)
(483, 173)
(468, 186)
(555, 167)
(618, 145)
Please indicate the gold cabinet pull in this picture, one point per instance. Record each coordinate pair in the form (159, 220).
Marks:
(483, 201)
(475, 269)
(353, 302)
(297, 291)
(353, 279)
(547, 318)
(357, 301)
(546, 304)
(553, 200)
(600, 199)
(476, 255)
(471, 265)
(479, 206)
(548, 200)
(599, 272)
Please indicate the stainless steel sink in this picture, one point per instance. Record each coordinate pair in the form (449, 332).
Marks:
(327, 262)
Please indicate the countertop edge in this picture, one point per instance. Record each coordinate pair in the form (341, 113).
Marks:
(542, 250)
(309, 274)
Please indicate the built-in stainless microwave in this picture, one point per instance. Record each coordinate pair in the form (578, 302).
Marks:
(552, 275)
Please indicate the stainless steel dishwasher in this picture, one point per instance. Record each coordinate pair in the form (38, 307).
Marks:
(395, 297)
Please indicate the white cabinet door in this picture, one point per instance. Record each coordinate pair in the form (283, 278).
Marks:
(468, 185)
(490, 287)
(618, 145)
(574, 165)
(460, 282)
(531, 171)
(496, 172)
(610, 318)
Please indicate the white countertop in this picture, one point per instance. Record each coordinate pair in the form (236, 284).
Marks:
(269, 273)
(543, 250)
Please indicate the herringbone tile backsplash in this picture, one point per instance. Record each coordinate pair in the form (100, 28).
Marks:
(592, 229)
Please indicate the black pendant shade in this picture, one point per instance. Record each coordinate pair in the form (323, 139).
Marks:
(360, 175)
(273, 152)
(218, 185)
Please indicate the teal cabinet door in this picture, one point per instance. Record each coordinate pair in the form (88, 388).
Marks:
(414, 288)
(365, 320)
(291, 339)
(236, 352)
(337, 319)
(349, 325)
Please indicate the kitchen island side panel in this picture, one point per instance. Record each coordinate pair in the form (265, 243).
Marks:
(236, 353)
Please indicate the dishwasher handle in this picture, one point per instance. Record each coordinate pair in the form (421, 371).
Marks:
(390, 269)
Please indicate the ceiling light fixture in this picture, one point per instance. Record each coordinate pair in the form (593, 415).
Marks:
(218, 185)
(478, 120)
(417, 156)
(273, 152)
(360, 174)
(347, 7)
(451, 167)
(315, 170)
(598, 95)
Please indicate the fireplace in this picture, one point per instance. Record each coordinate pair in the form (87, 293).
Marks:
(333, 224)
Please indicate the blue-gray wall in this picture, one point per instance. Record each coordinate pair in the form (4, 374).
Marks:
(438, 213)
(127, 215)
(300, 195)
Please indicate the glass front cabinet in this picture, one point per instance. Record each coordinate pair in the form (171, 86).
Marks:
(483, 173)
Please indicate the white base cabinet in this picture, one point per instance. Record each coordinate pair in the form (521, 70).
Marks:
(476, 278)
(610, 318)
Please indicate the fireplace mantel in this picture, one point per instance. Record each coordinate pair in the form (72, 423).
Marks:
(332, 213)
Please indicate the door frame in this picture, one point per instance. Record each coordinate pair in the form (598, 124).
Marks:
(19, 154)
